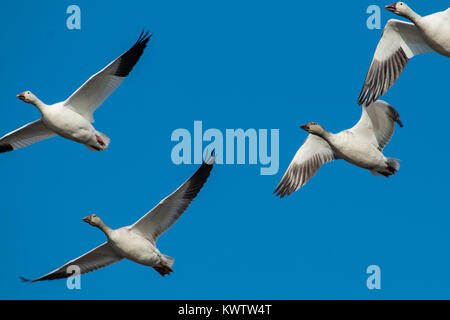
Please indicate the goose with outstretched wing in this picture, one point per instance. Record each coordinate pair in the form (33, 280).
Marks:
(72, 119)
(137, 242)
(361, 145)
(400, 42)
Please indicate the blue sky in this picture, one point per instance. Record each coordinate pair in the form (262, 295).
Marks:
(229, 64)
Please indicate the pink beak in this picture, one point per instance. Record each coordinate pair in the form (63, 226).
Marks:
(391, 7)
(21, 96)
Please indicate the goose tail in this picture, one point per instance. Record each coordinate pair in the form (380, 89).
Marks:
(101, 143)
(392, 166)
(165, 265)
(102, 139)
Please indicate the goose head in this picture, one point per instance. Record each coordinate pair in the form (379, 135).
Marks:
(400, 8)
(28, 97)
(313, 128)
(93, 220)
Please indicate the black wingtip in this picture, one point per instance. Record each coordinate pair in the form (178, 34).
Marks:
(140, 36)
(6, 148)
(25, 279)
(396, 116)
(144, 37)
(397, 119)
(210, 158)
(360, 100)
(279, 193)
(128, 60)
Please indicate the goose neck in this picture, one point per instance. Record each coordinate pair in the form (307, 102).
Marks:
(411, 15)
(102, 226)
(40, 105)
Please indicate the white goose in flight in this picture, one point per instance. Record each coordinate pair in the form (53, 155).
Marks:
(137, 242)
(72, 118)
(400, 42)
(361, 145)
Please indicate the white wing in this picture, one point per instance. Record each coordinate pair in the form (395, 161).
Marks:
(400, 42)
(98, 88)
(377, 123)
(314, 152)
(28, 134)
(166, 213)
(99, 257)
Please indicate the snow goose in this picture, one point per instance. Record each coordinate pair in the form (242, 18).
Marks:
(361, 145)
(400, 42)
(137, 242)
(72, 118)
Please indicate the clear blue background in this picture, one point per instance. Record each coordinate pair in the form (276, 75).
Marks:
(231, 64)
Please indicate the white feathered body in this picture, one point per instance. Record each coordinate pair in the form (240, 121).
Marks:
(435, 29)
(356, 150)
(68, 124)
(135, 247)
